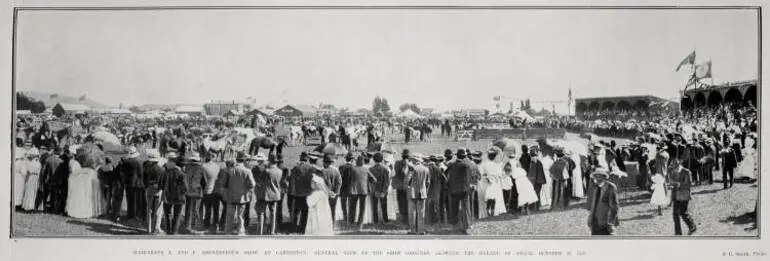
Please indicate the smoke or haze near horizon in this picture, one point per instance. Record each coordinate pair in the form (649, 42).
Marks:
(443, 59)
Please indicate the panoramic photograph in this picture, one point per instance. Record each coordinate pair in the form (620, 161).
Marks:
(385, 122)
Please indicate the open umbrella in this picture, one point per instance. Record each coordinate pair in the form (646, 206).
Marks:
(331, 148)
(508, 145)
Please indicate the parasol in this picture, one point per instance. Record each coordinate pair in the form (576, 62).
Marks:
(89, 156)
(105, 137)
(589, 136)
(508, 145)
(331, 148)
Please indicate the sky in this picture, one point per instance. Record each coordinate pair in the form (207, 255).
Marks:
(442, 59)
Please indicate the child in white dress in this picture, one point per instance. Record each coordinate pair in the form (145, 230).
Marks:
(659, 197)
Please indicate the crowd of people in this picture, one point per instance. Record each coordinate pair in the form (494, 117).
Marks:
(170, 179)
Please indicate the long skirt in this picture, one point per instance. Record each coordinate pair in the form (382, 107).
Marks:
(19, 181)
(30, 192)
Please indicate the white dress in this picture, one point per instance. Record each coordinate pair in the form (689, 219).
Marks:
(524, 187)
(84, 196)
(19, 179)
(577, 178)
(490, 187)
(659, 197)
(31, 186)
(319, 222)
(545, 191)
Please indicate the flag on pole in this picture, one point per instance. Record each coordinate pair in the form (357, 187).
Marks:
(703, 70)
(690, 59)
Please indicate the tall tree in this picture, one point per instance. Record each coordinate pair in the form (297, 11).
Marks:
(409, 106)
(380, 105)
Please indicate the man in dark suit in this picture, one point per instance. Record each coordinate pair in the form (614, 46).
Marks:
(434, 212)
(459, 178)
(602, 204)
(46, 180)
(681, 180)
(730, 162)
(300, 180)
(359, 188)
(133, 182)
(268, 194)
(536, 173)
(399, 186)
(346, 170)
(418, 181)
(379, 188)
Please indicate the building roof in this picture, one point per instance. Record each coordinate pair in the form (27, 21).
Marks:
(727, 85)
(189, 108)
(74, 107)
(648, 98)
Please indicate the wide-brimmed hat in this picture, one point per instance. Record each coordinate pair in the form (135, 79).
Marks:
(195, 157)
(260, 157)
(171, 155)
(153, 155)
(461, 153)
(600, 172)
(328, 159)
(416, 157)
(132, 153)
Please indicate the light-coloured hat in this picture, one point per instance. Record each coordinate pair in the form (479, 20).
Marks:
(171, 155)
(153, 155)
(416, 156)
(132, 153)
(260, 157)
(195, 156)
(601, 172)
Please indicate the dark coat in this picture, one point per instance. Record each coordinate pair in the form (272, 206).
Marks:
(536, 173)
(346, 170)
(382, 176)
(606, 212)
(48, 169)
(174, 186)
(437, 181)
(398, 179)
(333, 180)
(268, 184)
(153, 174)
(301, 179)
(359, 181)
(460, 176)
(132, 173)
(681, 180)
(195, 177)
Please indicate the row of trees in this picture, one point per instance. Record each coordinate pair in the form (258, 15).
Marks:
(23, 102)
(380, 106)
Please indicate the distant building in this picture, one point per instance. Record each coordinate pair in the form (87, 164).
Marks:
(61, 109)
(744, 92)
(263, 112)
(189, 110)
(112, 111)
(223, 107)
(296, 111)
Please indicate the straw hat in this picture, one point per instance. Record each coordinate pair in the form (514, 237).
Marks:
(132, 153)
(600, 172)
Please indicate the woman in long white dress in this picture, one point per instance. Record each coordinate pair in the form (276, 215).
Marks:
(20, 176)
(30, 188)
(577, 176)
(319, 222)
(524, 188)
(491, 202)
(84, 195)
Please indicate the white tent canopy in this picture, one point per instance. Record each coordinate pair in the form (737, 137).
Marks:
(523, 115)
(410, 114)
